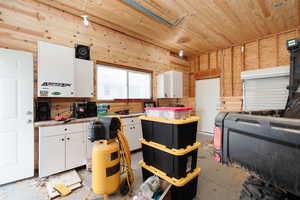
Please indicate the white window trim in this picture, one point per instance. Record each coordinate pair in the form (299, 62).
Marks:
(127, 73)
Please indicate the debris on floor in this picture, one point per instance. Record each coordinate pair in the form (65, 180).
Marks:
(61, 184)
(147, 189)
(152, 189)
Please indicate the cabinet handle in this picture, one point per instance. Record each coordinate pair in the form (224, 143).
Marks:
(66, 129)
(68, 138)
(62, 139)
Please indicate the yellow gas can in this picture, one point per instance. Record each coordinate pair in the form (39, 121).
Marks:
(105, 167)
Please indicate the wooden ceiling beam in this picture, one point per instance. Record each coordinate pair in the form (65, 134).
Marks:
(113, 26)
(207, 26)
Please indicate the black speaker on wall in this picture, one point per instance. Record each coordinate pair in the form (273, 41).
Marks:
(42, 111)
(82, 52)
(91, 109)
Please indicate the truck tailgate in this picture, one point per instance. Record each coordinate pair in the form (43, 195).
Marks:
(268, 146)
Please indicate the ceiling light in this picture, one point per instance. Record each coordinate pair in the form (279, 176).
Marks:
(180, 53)
(85, 20)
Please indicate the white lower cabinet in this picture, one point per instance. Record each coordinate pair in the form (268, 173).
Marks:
(133, 132)
(75, 150)
(61, 148)
(89, 144)
(52, 155)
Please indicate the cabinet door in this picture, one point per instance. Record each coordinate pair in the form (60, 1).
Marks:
(160, 86)
(138, 134)
(84, 78)
(55, 70)
(168, 84)
(177, 85)
(133, 135)
(51, 155)
(88, 143)
(75, 150)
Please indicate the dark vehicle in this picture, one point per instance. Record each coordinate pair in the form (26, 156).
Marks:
(268, 147)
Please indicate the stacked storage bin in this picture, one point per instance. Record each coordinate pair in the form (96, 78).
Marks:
(170, 149)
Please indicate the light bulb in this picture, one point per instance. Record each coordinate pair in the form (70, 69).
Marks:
(180, 53)
(85, 20)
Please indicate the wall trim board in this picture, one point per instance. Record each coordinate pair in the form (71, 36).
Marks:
(123, 67)
(213, 73)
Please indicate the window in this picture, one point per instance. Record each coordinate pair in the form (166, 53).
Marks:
(118, 83)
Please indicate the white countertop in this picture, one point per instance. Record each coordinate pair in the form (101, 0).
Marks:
(82, 120)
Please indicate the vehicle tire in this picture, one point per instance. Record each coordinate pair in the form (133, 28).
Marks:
(256, 189)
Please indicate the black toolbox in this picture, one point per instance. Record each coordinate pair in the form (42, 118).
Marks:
(186, 192)
(175, 163)
(171, 133)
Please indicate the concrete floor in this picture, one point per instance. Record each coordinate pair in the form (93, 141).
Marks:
(216, 182)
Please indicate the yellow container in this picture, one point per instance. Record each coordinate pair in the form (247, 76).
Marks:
(105, 167)
(176, 182)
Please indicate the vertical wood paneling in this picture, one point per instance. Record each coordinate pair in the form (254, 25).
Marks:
(227, 87)
(251, 55)
(204, 62)
(213, 60)
(269, 51)
(237, 68)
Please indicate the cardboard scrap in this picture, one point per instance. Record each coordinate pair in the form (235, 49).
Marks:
(70, 179)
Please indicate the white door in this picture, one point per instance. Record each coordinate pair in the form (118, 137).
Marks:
(207, 101)
(75, 150)
(52, 155)
(84, 78)
(16, 116)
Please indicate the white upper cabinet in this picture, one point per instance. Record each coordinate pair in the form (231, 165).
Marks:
(60, 74)
(55, 70)
(169, 85)
(84, 78)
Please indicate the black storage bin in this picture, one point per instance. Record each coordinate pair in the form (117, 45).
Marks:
(177, 166)
(172, 135)
(186, 192)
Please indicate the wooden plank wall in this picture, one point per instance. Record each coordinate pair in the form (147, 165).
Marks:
(24, 22)
(269, 51)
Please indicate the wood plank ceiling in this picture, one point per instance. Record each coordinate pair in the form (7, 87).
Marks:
(207, 25)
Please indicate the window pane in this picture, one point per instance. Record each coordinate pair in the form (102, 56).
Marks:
(111, 83)
(139, 85)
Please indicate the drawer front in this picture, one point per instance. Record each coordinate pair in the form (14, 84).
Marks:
(61, 129)
(131, 120)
